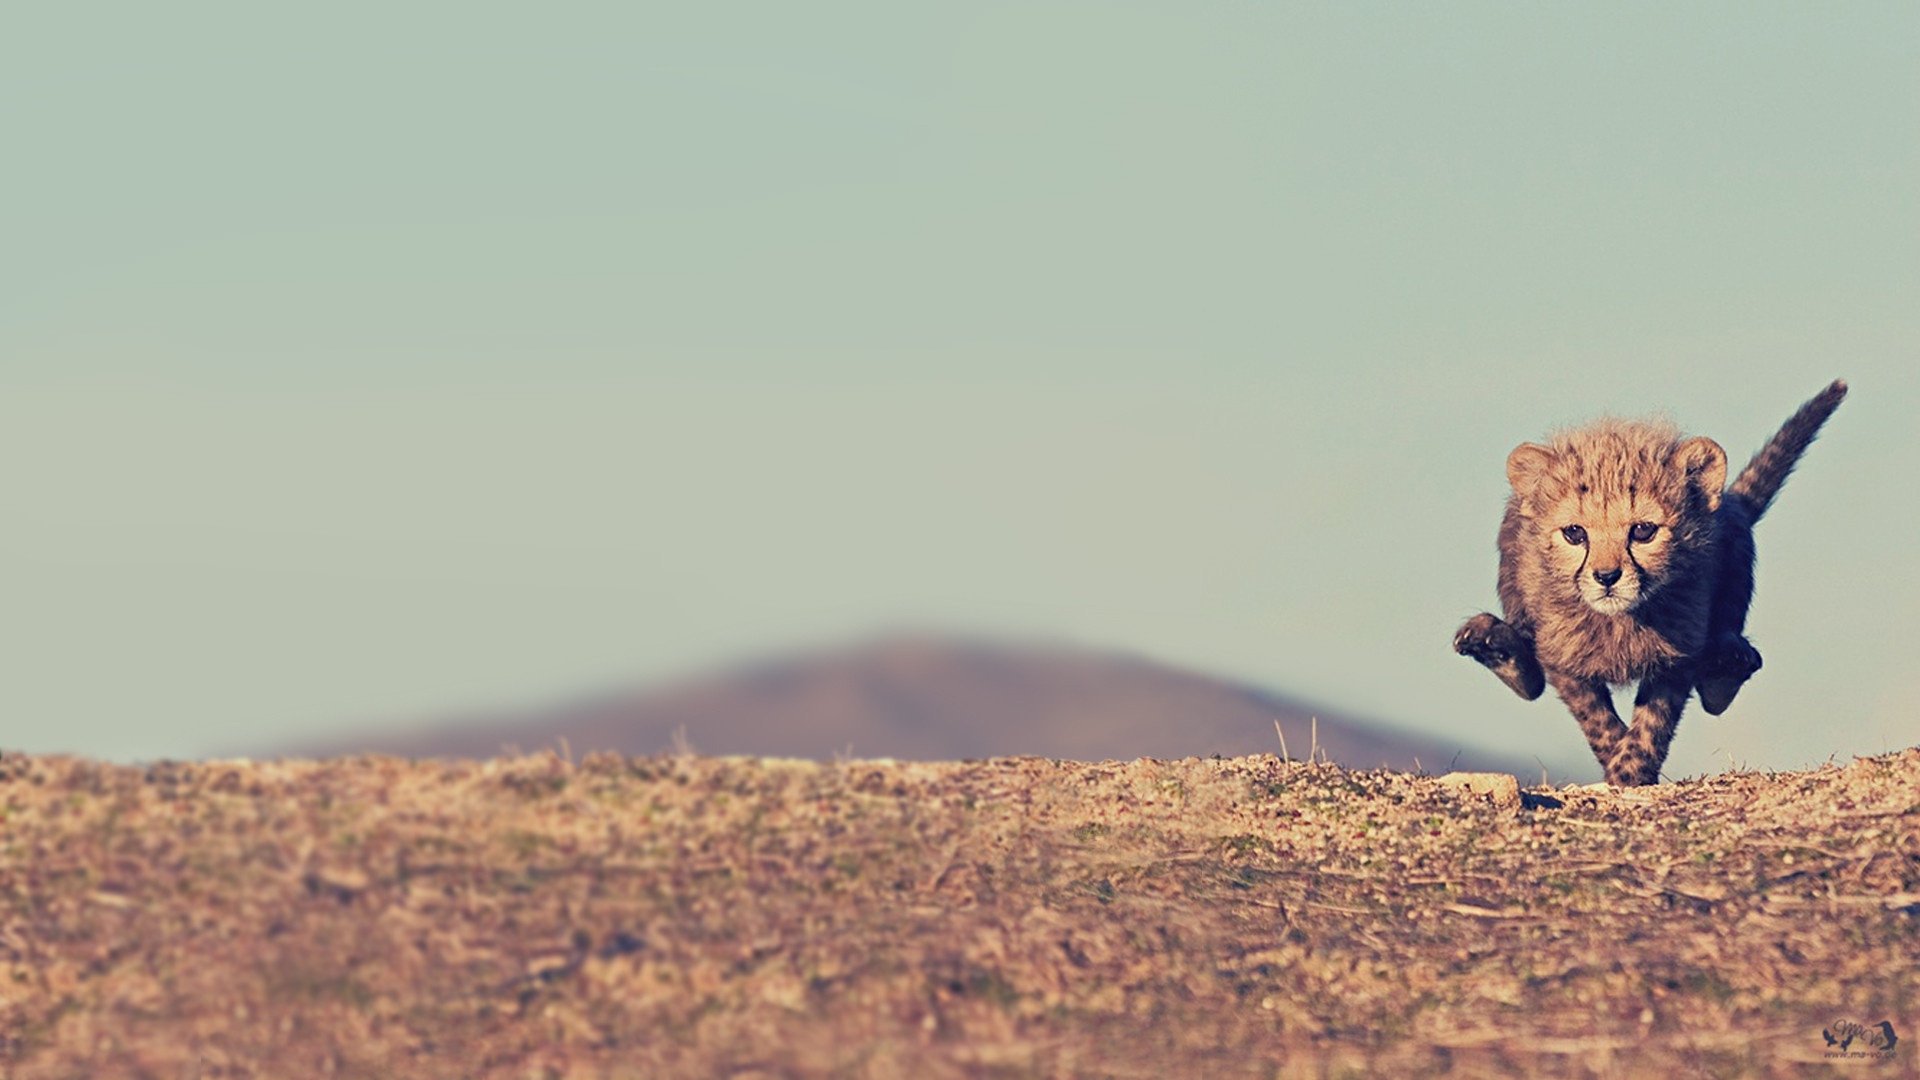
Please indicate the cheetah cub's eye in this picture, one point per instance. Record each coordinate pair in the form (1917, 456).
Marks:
(1574, 534)
(1642, 532)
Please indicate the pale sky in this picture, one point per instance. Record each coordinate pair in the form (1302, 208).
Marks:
(370, 363)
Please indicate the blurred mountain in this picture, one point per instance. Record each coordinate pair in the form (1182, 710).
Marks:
(940, 698)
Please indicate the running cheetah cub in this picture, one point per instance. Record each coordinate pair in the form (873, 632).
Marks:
(1622, 559)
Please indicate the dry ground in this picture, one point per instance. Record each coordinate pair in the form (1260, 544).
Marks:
(685, 916)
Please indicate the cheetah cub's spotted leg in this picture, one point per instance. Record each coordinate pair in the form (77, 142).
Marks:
(1656, 713)
(1506, 652)
(1724, 668)
(1591, 703)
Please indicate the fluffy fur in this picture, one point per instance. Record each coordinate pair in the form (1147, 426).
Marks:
(1624, 556)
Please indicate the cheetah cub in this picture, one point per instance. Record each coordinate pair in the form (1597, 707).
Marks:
(1622, 558)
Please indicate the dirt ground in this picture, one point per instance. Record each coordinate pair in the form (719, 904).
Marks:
(688, 916)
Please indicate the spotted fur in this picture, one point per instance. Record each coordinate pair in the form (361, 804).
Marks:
(1625, 556)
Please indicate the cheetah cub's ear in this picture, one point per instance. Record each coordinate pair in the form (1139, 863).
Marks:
(1705, 465)
(1526, 465)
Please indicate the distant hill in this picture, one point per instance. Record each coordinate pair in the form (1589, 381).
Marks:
(931, 698)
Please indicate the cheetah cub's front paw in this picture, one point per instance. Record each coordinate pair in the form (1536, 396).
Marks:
(1498, 648)
(1725, 667)
(1632, 766)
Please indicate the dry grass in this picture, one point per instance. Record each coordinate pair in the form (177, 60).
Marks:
(684, 916)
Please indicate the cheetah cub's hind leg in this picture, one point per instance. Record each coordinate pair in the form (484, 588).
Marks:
(1638, 754)
(1502, 650)
(1724, 668)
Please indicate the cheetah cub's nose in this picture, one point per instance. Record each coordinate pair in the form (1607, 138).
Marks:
(1607, 577)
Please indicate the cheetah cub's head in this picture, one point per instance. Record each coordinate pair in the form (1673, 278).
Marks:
(1615, 509)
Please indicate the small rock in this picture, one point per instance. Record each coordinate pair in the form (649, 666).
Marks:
(1502, 788)
(342, 883)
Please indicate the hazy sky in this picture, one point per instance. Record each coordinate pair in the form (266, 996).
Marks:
(365, 363)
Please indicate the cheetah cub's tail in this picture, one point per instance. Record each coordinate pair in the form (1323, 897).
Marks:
(1760, 481)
